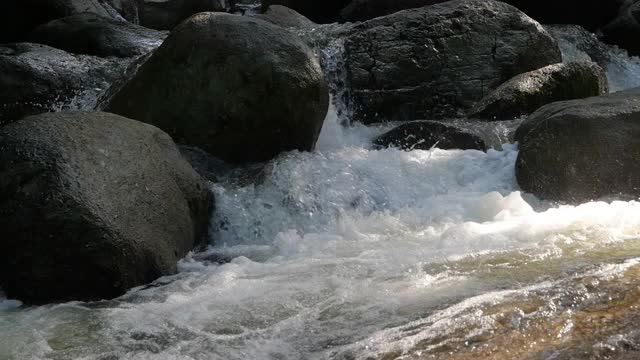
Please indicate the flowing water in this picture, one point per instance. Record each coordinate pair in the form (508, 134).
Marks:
(353, 253)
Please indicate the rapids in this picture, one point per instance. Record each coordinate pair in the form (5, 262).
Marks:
(353, 253)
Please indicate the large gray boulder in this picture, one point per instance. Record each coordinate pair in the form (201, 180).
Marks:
(36, 78)
(580, 150)
(93, 204)
(92, 34)
(436, 61)
(362, 10)
(525, 93)
(18, 17)
(238, 87)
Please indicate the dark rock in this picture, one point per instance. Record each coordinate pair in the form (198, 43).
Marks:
(167, 14)
(91, 34)
(126, 9)
(93, 204)
(624, 30)
(19, 17)
(580, 150)
(591, 14)
(361, 10)
(36, 78)
(525, 93)
(287, 18)
(325, 11)
(236, 86)
(436, 61)
(424, 135)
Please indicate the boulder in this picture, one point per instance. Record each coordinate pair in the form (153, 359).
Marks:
(580, 150)
(322, 12)
(592, 14)
(92, 34)
(437, 61)
(124, 9)
(287, 18)
(36, 78)
(93, 204)
(624, 30)
(362, 10)
(424, 135)
(19, 17)
(166, 14)
(238, 87)
(525, 93)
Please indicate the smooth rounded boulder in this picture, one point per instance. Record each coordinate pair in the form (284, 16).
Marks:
(437, 61)
(581, 150)
(166, 14)
(92, 34)
(424, 135)
(93, 204)
(527, 92)
(240, 88)
(322, 12)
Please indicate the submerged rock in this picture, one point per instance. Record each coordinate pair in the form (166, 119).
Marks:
(424, 135)
(238, 87)
(624, 30)
(19, 17)
(167, 14)
(361, 10)
(325, 11)
(93, 204)
(580, 150)
(436, 61)
(526, 92)
(92, 34)
(37, 78)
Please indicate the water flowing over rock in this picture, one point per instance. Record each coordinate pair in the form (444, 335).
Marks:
(166, 14)
(93, 204)
(580, 150)
(37, 78)
(361, 10)
(238, 87)
(425, 135)
(325, 11)
(624, 30)
(436, 61)
(18, 17)
(92, 34)
(526, 92)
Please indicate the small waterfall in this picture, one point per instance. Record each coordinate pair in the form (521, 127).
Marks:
(578, 44)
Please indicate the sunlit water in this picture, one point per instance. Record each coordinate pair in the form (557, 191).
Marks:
(353, 253)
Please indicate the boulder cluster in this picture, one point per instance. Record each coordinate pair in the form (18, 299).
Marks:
(96, 197)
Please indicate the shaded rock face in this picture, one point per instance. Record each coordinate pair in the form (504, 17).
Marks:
(526, 92)
(238, 87)
(322, 12)
(436, 61)
(92, 34)
(93, 204)
(580, 150)
(126, 9)
(591, 14)
(36, 78)
(624, 30)
(424, 135)
(362, 10)
(18, 17)
(167, 14)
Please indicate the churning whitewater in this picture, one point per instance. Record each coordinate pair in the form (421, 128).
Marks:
(351, 253)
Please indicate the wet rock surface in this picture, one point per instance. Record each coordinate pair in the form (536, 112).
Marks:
(425, 135)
